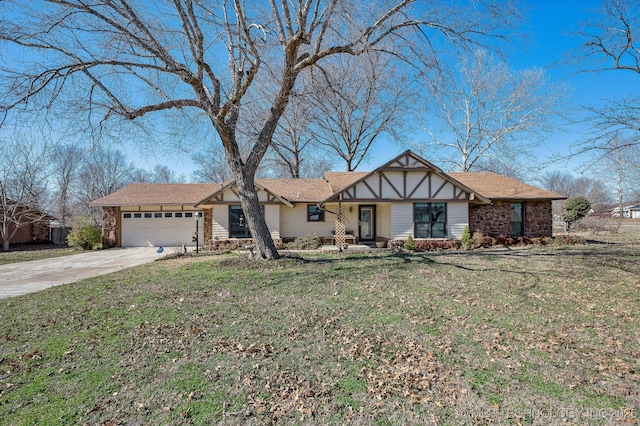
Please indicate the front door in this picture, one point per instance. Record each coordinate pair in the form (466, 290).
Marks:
(367, 223)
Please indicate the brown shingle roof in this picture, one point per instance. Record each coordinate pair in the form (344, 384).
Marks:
(297, 190)
(158, 193)
(498, 187)
(341, 180)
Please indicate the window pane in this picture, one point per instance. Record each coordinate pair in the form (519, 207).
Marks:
(517, 219)
(157, 215)
(137, 215)
(438, 212)
(421, 212)
(430, 220)
(422, 230)
(516, 212)
(438, 230)
(314, 213)
(127, 215)
(168, 215)
(188, 215)
(238, 227)
(178, 214)
(516, 228)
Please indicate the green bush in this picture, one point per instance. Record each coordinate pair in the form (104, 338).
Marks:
(84, 235)
(410, 244)
(305, 242)
(466, 238)
(574, 209)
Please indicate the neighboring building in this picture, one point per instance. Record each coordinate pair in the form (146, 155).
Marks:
(33, 224)
(631, 211)
(406, 196)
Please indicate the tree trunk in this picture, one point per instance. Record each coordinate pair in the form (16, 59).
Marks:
(265, 247)
(5, 236)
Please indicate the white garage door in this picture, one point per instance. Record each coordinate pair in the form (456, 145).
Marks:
(166, 229)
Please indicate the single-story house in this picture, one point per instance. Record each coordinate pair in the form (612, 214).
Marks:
(25, 224)
(406, 196)
(631, 211)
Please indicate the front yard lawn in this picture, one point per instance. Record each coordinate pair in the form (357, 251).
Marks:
(34, 253)
(524, 336)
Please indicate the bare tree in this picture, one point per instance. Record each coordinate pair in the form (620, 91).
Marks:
(611, 43)
(593, 189)
(612, 39)
(160, 173)
(23, 178)
(66, 161)
(131, 59)
(499, 165)
(620, 166)
(102, 172)
(355, 100)
(485, 108)
(211, 166)
(294, 151)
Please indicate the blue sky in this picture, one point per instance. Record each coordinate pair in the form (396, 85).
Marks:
(550, 36)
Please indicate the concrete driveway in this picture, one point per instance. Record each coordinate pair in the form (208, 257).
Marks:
(35, 275)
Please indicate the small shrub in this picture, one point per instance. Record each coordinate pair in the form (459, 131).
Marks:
(465, 240)
(432, 245)
(229, 245)
(84, 235)
(540, 241)
(410, 244)
(478, 240)
(395, 244)
(564, 240)
(305, 242)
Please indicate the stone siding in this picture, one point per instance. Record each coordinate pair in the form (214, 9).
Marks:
(111, 227)
(41, 230)
(538, 219)
(495, 219)
(208, 225)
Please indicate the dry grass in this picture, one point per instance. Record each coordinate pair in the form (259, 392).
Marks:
(35, 252)
(524, 336)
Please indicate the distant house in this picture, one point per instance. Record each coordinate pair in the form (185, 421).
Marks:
(631, 211)
(24, 224)
(407, 196)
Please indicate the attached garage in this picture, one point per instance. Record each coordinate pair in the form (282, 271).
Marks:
(143, 215)
(163, 228)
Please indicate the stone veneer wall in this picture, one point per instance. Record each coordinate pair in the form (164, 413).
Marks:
(495, 219)
(111, 226)
(538, 219)
(208, 225)
(41, 230)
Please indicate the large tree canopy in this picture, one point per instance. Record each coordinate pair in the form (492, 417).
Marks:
(132, 58)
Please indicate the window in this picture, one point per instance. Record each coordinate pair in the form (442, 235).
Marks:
(188, 215)
(238, 227)
(168, 215)
(157, 215)
(517, 219)
(147, 215)
(127, 215)
(178, 214)
(430, 220)
(314, 213)
(137, 215)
